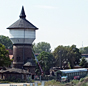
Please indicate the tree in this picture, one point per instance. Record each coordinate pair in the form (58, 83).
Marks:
(41, 46)
(74, 56)
(60, 54)
(4, 56)
(83, 63)
(65, 55)
(6, 41)
(46, 61)
(84, 50)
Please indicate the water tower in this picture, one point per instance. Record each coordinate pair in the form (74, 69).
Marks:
(22, 35)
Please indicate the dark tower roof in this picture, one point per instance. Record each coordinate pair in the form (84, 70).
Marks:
(22, 14)
(22, 23)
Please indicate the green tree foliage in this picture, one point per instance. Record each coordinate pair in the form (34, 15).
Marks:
(74, 56)
(65, 55)
(83, 63)
(84, 50)
(46, 61)
(41, 46)
(60, 55)
(6, 41)
(4, 56)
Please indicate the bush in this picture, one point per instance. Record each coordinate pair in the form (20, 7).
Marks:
(84, 84)
(74, 82)
(82, 79)
(46, 77)
(53, 83)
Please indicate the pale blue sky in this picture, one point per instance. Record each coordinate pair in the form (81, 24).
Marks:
(60, 22)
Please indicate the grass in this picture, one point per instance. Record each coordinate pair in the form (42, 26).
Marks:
(53, 83)
(81, 82)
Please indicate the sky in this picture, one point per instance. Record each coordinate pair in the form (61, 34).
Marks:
(60, 22)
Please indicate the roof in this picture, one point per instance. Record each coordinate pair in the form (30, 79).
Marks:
(11, 57)
(22, 14)
(77, 66)
(85, 55)
(14, 70)
(73, 70)
(22, 23)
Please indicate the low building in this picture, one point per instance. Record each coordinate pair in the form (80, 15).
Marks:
(14, 74)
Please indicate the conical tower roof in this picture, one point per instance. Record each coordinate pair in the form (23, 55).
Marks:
(22, 14)
(22, 23)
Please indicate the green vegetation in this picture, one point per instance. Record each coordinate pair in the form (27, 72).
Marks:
(53, 82)
(83, 63)
(42, 46)
(4, 56)
(81, 82)
(46, 60)
(69, 55)
(65, 55)
(82, 79)
(84, 50)
(5, 40)
(62, 56)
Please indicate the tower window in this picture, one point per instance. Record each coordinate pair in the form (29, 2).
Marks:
(18, 58)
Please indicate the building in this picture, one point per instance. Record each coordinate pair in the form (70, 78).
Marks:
(14, 74)
(22, 35)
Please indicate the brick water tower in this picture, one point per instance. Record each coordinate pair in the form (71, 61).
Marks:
(22, 35)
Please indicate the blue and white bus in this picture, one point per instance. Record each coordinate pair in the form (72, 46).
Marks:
(71, 73)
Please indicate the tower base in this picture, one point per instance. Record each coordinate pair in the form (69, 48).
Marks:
(21, 53)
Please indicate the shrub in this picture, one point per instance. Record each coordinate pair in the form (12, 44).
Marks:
(46, 77)
(82, 79)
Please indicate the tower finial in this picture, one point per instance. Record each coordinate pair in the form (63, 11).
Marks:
(22, 14)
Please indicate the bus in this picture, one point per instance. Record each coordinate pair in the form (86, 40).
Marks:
(70, 74)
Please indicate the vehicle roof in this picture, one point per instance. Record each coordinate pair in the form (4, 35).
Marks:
(73, 70)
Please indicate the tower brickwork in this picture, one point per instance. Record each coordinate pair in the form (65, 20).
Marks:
(21, 54)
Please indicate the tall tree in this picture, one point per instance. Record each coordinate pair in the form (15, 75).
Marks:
(42, 46)
(60, 54)
(74, 56)
(65, 55)
(46, 61)
(4, 56)
(6, 41)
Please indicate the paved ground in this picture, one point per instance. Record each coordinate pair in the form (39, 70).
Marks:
(18, 84)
